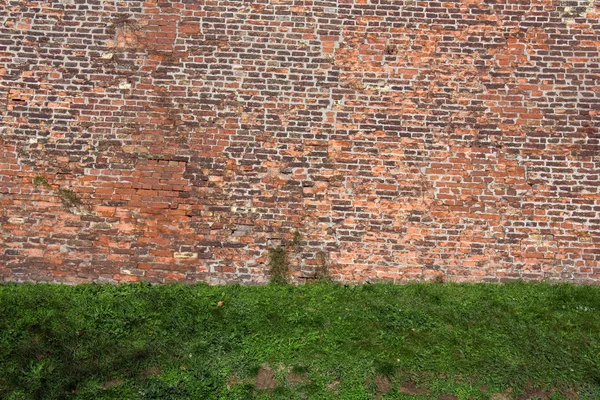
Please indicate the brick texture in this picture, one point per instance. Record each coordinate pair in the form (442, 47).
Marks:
(181, 140)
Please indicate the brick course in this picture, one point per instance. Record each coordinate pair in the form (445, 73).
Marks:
(379, 139)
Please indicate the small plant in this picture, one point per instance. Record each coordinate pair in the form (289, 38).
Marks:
(40, 180)
(68, 197)
(297, 239)
(280, 267)
(322, 270)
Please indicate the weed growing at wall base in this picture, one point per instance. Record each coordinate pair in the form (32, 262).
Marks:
(279, 264)
(322, 341)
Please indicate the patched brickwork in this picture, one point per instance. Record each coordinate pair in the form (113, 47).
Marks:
(372, 139)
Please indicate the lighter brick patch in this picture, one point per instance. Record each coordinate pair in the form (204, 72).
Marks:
(185, 255)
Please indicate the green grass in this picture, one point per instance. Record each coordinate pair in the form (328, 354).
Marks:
(202, 342)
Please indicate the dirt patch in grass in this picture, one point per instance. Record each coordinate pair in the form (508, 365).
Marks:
(265, 379)
(507, 395)
(570, 393)
(152, 371)
(295, 378)
(333, 385)
(411, 388)
(233, 381)
(382, 383)
(535, 393)
(112, 383)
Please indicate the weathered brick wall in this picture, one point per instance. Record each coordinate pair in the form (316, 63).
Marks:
(376, 139)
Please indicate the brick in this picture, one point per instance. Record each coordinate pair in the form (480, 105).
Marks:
(185, 255)
(443, 145)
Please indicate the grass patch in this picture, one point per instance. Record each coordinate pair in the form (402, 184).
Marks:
(316, 341)
(68, 197)
(40, 180)
(280, 268)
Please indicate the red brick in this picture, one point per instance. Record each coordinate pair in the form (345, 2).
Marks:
(453, 147)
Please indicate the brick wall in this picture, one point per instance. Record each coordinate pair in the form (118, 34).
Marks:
(398, 140)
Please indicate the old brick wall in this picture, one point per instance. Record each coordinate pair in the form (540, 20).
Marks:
(182, 140)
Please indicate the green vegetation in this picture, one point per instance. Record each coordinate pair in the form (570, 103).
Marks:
(40, 180)
(318, 341)
(68, 197)
(322, 270)
(280, 266)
